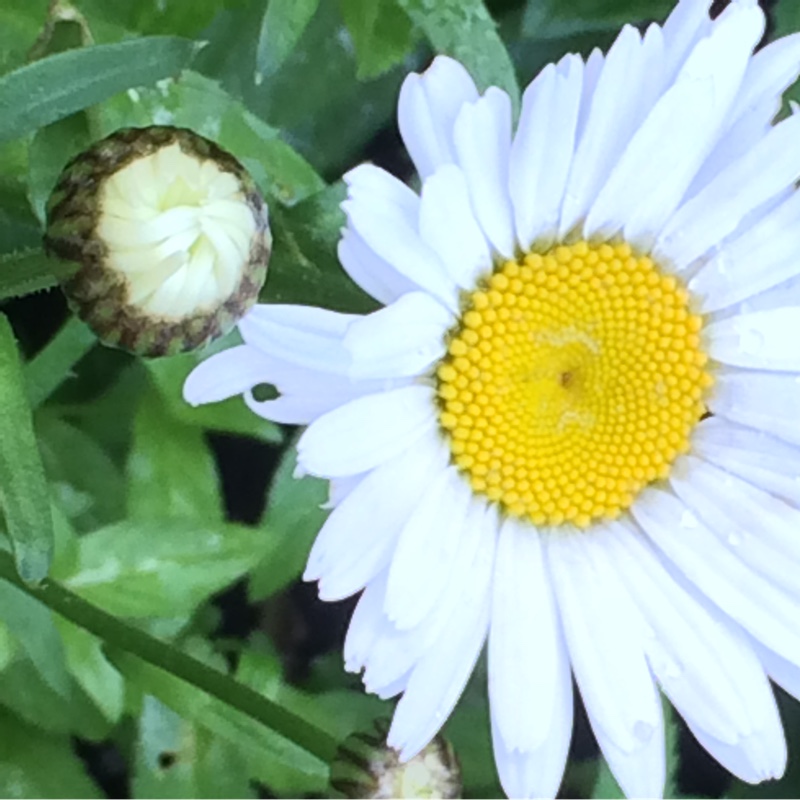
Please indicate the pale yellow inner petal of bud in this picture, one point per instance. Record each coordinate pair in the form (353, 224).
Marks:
(179, 229)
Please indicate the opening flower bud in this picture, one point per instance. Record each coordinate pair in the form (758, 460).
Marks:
(170, 235)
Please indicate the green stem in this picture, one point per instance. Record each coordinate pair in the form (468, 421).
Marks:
(126, 637)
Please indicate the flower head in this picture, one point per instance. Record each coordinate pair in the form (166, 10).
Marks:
(573, 429)
(170, 234)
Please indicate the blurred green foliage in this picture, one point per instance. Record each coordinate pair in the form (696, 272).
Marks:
(109, 475)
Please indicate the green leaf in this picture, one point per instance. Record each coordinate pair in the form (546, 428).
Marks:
(464, 30)
(196, 102)
(161, 567)
(304, 267)
(26, 271)
(87, 482)
(24, 496)
(293, 517)
(283, 25)
(231, 416)
(89, 666)
(47, 370)
(171, 471)
(382, 33)
(177, 759)
(36, 764)
(547, 19)
(31, 624)
(259, 744)
(37, 94)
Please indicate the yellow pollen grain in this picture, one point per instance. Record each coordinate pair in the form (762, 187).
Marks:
(573, 380)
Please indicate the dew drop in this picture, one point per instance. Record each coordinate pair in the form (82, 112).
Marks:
(734, 540)
(688, 520)
(751, 341)
(643, 731)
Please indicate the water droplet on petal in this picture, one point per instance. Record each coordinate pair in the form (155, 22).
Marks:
(643, 731)
(688, 520)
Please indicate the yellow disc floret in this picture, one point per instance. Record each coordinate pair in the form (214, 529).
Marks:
(573, 380)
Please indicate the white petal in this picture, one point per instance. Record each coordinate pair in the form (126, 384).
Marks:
(357, 539)
(542, 150)
(526, 656)
(384, 212)
(761, 459)
(538, 773)
(448, 225)
(400, 340)
(766, 169)
(762, 609)
(783, 672)
(365, 624)
(367, 431)
(440, 676)
(426, 551)
(763, 339)
(686, 25)
(226, 374)
(772, 243)
(300, 335)
(764, 400)
(763, 758)
(604, 636)
(701, 659)
(482, 138)
(427, 110)
(372, 273)
(682, 127)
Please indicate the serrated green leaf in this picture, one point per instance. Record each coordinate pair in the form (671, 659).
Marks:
(253, 740)
(177, 759)
(35, 764)
(171, 472)
(464, 30)
(382, 33)
(24, 496)
(304, 267)
(281, 28)
(45, 372)
(294, 517)
(26, 271)
(89, 666)
(161, 567)
(201, 104)
(37, 94)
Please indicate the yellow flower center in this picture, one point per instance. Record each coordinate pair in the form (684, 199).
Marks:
(574, 379)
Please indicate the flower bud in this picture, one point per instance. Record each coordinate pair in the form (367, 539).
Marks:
(366, 767)
(170, 236)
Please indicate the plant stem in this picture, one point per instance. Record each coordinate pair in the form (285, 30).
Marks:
(160, 654)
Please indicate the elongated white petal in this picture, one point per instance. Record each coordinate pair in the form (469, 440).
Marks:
(542, 151)
(427, 110)
(764, 400)
(482, 137)
(357, 539)
(761, 608)
(438, 679)
(761, 459)
(426, 551)
(447, 223)
(604, 636)
(367, 432)
(226, 374)
(400, 340)
(526, 657)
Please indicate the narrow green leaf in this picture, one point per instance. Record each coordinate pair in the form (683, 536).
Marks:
(26, 271)
(47, 370)
(177, 759)
(161, 567)
(37, 94)
(293, 517)
(171, 471)
(382, 33)
(24, 496)
(36, 764)
(304, 267)
(281, 28)
(464, 30)
(548, 19)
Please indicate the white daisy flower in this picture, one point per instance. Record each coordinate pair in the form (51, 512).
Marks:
(573, 431)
